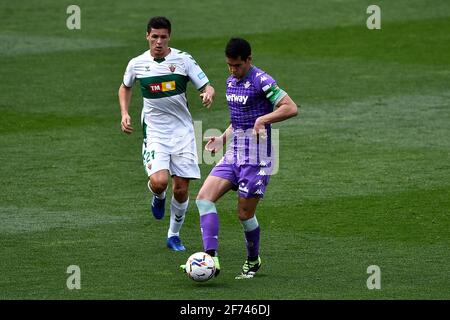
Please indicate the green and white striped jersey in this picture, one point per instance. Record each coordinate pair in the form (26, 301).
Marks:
(163, 84)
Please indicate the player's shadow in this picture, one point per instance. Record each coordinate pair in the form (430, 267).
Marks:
(210, 284)
(215, 284)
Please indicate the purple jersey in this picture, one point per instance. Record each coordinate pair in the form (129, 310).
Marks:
(253, 96)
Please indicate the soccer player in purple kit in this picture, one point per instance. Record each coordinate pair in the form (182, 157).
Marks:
(252, 96)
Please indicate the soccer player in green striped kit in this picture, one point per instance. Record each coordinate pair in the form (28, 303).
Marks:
(169, 146)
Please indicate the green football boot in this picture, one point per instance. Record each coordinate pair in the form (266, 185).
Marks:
(249, 269)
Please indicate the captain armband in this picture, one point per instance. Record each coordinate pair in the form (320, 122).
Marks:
(274, 93)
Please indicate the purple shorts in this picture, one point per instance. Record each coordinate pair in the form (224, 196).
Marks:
(249, 180)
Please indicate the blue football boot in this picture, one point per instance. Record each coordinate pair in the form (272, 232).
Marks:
(174, 243)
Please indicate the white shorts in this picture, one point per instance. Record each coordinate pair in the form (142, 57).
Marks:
(177, 156)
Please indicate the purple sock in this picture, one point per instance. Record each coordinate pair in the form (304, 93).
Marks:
(209, 224)
(252, 238)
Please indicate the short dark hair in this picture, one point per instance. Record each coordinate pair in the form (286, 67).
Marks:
(159, 23)
(238, 47)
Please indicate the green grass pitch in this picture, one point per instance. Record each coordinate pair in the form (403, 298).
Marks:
(364, 173)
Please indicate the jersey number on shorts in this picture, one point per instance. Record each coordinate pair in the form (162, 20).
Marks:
(148, 154)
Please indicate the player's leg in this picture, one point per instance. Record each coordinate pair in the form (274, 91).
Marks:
(156, 164)
(252, 185)
(155, 158)
(212, 189)
(178, 208)
(247, 217)
(157, 184)
(183, 167)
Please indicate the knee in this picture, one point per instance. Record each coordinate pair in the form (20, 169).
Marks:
(158, 185)
(245, 214)
(205, 193)
(180, 193)
(201, 196)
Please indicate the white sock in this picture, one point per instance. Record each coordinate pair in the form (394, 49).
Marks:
(250, 224)
(177, 214)
(159, 196)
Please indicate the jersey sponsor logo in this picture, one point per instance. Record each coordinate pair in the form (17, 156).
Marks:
(162, 86)
(236, 98)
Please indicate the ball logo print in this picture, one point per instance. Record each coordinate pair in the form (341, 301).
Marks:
(200, 267)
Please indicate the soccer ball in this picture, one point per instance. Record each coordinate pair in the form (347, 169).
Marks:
(200, 267)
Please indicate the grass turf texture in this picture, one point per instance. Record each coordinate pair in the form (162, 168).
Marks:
(364, 169)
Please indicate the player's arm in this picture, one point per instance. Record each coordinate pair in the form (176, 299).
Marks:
(199, 80)
(207, 94)
(124, 102)
(216, 143)
(285, 109)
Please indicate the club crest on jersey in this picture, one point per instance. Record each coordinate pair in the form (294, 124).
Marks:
(172, 67)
